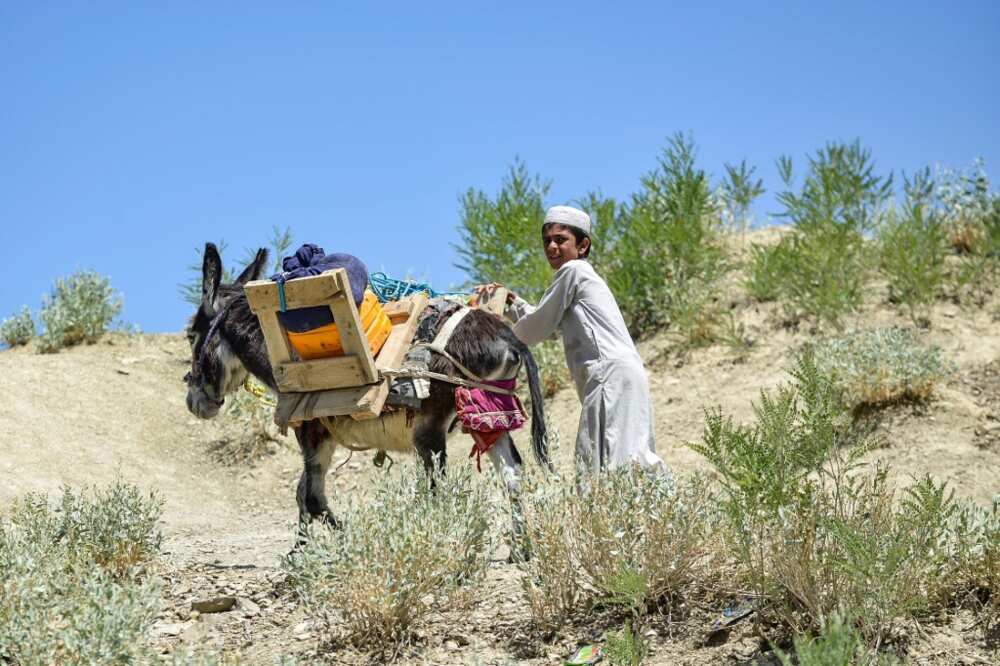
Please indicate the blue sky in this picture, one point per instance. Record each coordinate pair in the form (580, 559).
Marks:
(131, 133)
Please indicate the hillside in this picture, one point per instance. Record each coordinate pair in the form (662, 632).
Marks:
(89, 414)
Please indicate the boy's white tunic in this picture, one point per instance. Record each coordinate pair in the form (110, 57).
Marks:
(616, 422)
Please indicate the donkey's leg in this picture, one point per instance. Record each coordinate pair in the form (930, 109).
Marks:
(317, 449)
(507, 463)
(429, 439)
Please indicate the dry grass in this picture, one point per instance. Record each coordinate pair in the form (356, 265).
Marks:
(630, 540)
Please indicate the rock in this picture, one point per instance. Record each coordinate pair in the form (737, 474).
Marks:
(214, 604)
(249, 608)
(301, 630)
(451, 645)
(168, 628)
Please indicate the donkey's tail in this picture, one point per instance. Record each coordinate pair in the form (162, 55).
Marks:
(539, 440)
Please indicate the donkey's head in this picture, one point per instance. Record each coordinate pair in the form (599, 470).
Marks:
(216, 368)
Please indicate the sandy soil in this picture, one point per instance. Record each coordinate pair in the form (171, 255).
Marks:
(88, 414)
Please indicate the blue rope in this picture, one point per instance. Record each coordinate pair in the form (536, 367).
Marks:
(391, 289)
(281, 296)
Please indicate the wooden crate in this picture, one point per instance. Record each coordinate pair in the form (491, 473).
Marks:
(350, 384)
(355, 368)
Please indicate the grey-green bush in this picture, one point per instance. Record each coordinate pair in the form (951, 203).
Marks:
(881, 366)
(399, 555)
(18, 329)
(71, 583)
(971, 213)
(630, 540)
(838, 644)
(79, 309)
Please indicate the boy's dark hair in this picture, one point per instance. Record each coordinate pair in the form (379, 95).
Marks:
(577, 234)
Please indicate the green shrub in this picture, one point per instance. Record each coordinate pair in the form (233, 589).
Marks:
(912, 248)
(627, 647)
(881, 366)
(70, 584)
(400, 555)
(816, 535)
(667, 266)
(738, 191)
(838, 644)
(820, 270)
(827, 272)
(18, 329)
(768, 269)
(501, 237)
(79, 309)
(630, 540)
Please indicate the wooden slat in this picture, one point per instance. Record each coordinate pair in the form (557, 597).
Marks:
(398, 343)
(278, 348)
(495, 302)
(362, 401)
(370, 404)
(325, 373)
(299, 293)
(352, 335)
(396, 309)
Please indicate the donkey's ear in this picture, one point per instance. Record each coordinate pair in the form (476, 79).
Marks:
(211, 275)
(255, 269)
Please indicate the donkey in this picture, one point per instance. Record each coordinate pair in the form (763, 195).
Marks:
(227, 344)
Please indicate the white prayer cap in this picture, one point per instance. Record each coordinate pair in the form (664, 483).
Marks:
(568, 216)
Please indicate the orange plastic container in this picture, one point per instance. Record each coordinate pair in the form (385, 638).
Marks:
(324, 342)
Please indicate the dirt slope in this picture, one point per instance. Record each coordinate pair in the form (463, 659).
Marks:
(117, 408)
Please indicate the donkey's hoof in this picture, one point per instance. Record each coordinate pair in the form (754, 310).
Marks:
(328, 520)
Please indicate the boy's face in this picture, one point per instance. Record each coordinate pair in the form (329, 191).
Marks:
(560, 245)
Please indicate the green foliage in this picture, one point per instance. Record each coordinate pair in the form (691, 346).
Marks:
(630, 540)
(627, 647)
(912, 247)
(817, 536)
(838, 644)
(881, 366)
(18, 329)
(739, 190)
(840, 189)
(79, 309)
(401, 554)
(768, 270)
(71, 589)
(820, 270)
(667, 265)
(501, 236)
